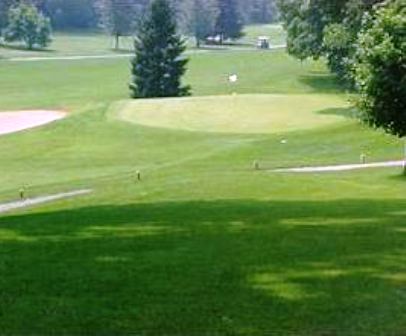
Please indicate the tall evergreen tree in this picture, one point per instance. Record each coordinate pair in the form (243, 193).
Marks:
(229, 22)
(158, 65)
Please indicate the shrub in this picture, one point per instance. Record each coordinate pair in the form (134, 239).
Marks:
(28, 25)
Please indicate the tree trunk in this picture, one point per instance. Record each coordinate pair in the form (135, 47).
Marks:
(117, 42)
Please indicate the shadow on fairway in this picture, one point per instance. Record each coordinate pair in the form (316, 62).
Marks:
(322, 82)
(349, 112)
(226, 267)
(24, 48)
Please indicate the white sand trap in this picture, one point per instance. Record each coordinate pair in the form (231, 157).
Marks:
(339, 168)
(42, 199)
(11, 122)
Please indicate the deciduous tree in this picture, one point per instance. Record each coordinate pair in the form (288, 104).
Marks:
(27, 24)
(119, 17)
(229, 22)
(202, 19)
(380, 68)
(5, 5)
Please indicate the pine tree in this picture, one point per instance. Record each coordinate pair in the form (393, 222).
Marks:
(158, 64)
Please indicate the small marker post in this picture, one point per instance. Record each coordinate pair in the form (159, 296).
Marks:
(363, 158)
(138, 175)
(22, 193)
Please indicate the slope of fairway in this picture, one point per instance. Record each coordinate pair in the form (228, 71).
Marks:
(235, 114)
(203, 244)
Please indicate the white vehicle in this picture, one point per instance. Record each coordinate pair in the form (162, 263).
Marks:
(213, 39)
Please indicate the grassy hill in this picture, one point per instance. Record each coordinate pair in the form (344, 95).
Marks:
(203, 245)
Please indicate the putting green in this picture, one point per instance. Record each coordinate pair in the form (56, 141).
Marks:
(235, 114)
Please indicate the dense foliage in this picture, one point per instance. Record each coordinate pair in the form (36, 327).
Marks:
(373, 60)
(72, 14)
(158, 65)
(325, 28)
(202, 20)
(85, 14)
(259, 11)
(229, 22)
(381, 68)
(5, 5)
(199, 18)
(26, 24)
(118, 17)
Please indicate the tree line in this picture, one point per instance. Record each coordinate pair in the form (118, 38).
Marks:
(200, 18)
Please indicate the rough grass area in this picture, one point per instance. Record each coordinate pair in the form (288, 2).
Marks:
(235, 113)
(27, 85)
(68, 44)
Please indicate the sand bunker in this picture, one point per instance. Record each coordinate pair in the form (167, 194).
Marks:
(11, 122)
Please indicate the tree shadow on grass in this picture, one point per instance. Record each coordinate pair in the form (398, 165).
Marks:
(322, 82)
(225, 267)
(349, 112)
(24, 48)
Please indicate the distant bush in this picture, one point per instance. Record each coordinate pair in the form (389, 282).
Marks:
(26, 24)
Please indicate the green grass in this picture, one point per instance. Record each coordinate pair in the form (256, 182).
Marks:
(27, 85)
(203, 245)
(69, 44)
(234, 114)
